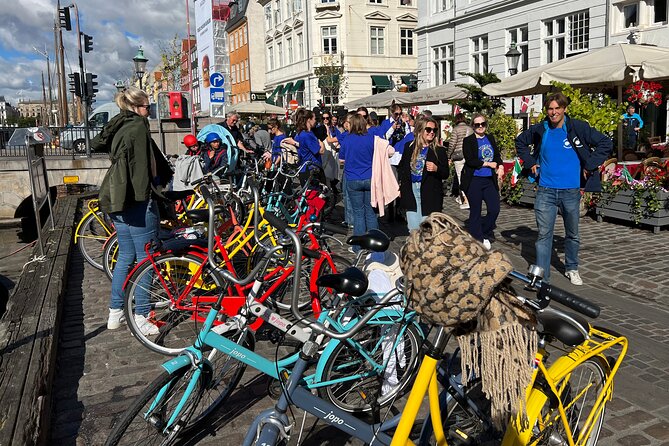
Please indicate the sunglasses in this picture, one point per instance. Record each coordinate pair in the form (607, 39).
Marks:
(147, 106)
(479, 124)
(326, 118)
(397, 114)
(430, 129)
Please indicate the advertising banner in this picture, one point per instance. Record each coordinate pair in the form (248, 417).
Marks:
(205, 49)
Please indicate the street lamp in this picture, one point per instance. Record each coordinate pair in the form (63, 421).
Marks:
(512, 59)
(140, 65)
(119, 86)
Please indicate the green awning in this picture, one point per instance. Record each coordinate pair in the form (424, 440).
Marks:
(410, 81)
(299, 86)
(328, 81)
(275, 92)
(382, 83)
(287, 88)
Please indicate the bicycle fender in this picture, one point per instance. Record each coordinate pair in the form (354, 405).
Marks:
(81, 222)
(177, 363)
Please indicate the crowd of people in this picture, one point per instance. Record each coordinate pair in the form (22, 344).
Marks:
(395, 166)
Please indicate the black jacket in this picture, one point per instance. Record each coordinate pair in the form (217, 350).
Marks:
(470, 150)
(592, 148)
(431, 186)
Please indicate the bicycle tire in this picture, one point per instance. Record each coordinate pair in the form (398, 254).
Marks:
(345, 361)
(92, 236)
(178, 326)
(579, 390)
(110, 255)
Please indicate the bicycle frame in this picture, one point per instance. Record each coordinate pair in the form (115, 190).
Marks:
(92, 210)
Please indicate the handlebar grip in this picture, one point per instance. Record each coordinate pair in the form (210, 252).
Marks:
(310, 253)
(276, 221)
(570, 300)
(206, 194)
(335, 229)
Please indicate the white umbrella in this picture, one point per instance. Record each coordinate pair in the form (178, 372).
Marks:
(656, 69)
(258, 108)
(385, 99)
(615, 65)
(436, 94)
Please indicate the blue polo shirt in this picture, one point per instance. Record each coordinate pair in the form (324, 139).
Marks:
(357, 151)
(276, 146)
(309, 149)
(560, 166)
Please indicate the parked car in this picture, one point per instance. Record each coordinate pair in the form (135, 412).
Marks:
(74, 138)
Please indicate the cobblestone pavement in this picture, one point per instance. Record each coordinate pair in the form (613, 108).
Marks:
(100, 371)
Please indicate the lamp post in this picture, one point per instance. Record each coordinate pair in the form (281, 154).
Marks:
(119, 86)
(140, 65)
(512, 59)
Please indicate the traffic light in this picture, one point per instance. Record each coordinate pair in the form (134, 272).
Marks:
(88, 43)
(64, 18)
(91, 85)
(75, 83)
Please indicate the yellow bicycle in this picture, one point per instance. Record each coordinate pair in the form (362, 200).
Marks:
(92, 232)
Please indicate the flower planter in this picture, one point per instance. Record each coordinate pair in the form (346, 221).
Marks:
(529, 193)
(619, 206)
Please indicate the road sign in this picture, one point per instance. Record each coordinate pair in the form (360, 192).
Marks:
(216, 80)
(261, 96)
(216, 95)
(293, 104)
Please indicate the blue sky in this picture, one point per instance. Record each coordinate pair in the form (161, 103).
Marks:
(118, 28)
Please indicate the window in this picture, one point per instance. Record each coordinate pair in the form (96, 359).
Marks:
(444, 64)
(630, 15)
(297, 5)
(233, 79)
(377, 34)
(329, 34)
(660, 11)
(300, 46)
(519, 37)
(279, 54)
(566, 35)
(444, 5)
(270, 57)
(329, 1)
(289, 47)
(268, 17)
(245, 35)
(406, 42)
(376, 2)
(480, 54)
(277, 12)
(237, 73)
(248, 71)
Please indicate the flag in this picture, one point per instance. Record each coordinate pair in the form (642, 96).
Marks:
(456, 110)
(415, 110)
(524, 104)
(515, 174)
(626, 175)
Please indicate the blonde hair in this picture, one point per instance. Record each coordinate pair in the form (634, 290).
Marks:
(420, 141)
(130, 97)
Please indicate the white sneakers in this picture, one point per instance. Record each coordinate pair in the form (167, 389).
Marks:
(145, 325)
(574, 277)
(486, 244)
(116, 318)
(464, 206)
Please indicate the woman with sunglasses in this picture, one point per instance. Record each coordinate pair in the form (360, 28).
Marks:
(480, 179)
(421, 171)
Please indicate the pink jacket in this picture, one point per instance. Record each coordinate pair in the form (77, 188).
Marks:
(384, 184)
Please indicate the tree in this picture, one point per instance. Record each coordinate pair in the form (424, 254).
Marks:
(477, 101)
(503, 128)
(331, 80)
(170, 56)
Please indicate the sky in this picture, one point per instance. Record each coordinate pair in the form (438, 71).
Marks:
(118, 28)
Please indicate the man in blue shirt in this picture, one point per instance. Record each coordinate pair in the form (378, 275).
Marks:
(567, 154)
(632, 123)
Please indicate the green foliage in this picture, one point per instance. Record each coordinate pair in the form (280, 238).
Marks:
(644, 201)
(599, 110)
(477, 101)
(170, 56)
(331, 80)
(22, 121)
(503, 128)
(511, 194)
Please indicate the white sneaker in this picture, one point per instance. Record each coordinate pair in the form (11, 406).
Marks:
(458, 200)
(146, 326)
(486, 244)
(464, 206)
(116, 318)
(350, 249)
(574, 277)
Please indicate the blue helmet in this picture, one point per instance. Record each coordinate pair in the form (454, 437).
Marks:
(212, 137)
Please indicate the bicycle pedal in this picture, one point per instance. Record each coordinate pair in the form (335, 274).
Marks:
(459, 437)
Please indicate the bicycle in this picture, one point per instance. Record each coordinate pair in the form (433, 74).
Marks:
(92, 232)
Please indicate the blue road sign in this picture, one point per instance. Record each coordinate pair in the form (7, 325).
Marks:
(216, 80)
(216, 94)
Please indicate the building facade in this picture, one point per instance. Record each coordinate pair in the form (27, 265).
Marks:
(189, 62)
(7, 112)
(474, 35)
(369, 44)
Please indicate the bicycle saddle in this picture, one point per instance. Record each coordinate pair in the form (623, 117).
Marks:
(564, 330)
(352, 282)
(374, 240)
(174, 195)
(202, 215)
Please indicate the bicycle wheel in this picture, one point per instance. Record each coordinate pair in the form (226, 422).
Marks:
(92, 235)
(356, 375)
(578, 392)
(110, 255)
(178, 291)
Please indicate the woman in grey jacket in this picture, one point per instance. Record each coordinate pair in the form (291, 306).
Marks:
(455, 156)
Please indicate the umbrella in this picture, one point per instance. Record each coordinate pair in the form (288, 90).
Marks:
(615, 65)
(385, 99)
(656, 69)
(436, 94)
(257, 108)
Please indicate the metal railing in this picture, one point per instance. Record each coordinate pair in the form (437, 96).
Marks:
(67, 141)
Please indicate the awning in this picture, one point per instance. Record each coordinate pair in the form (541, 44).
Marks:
(270, 98)
(287, 88)
(410, 81)
(299, 86)
(328, 81)
(382, 83)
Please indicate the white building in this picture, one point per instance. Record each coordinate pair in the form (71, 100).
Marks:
(371, 40)
(7, 112)
(474, 35)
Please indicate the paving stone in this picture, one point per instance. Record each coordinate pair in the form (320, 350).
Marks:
(659, 431)
(630, 419)
(633, 440)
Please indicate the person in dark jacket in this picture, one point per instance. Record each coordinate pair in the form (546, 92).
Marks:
(214, 154)
(566, 157)
(421, 172)
(481, 174)
(128, 194)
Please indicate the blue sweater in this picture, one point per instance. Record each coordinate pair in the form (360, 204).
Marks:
(357, 151)
(309, 149)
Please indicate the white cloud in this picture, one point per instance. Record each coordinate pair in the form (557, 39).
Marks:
(118, 27)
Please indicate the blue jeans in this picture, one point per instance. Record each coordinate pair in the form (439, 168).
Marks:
(135, 227)
(414, 218)
(364, 218)
(348, 207)
(546, 206)
(482, 189)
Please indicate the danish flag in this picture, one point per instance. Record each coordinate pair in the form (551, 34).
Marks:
(525, 104)
(456, 109)
(415, 110)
